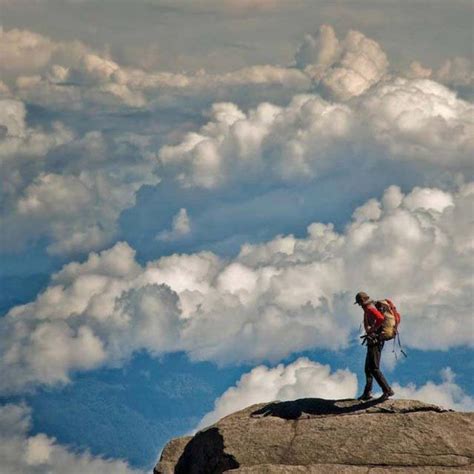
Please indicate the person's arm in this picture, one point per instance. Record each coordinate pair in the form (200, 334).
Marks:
(366, 323)
(377, 318)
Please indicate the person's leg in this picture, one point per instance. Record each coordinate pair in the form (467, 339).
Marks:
(376, 372)
(367, 393)
(369, 379)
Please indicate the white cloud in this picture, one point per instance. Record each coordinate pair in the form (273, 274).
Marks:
(269, 140)
(273, 299)
(18, 138)
(23, 453)
(99, 81)
(403, 120)
(319, 51)
(421, 119)
(181, 226)
(429, 199)
(344, 69)
(71, 75)
(397, 119)
(416, 70)
(362, 65)
(301, 379)
(69, 189)
(24, 51)
(446, 394)
(456, 72)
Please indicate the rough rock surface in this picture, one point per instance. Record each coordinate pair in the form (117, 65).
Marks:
(328, 436)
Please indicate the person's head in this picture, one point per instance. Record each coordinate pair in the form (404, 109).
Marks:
(363, 299)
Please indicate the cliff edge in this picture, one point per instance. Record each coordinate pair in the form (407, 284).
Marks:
(328, 436)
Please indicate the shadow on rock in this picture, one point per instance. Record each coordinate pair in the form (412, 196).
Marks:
(292, 410)
(204, 454)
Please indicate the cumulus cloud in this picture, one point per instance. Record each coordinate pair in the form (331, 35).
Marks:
(279, 141)
(421, 119)
(24, 51)
(36, 67)
(362, 64)
(320, 51)
(70, 189)
(408, 120)
(456, 73)
(23, 453)
(446, 394)
(181, 226)
(416, 70)
(99, 81)
(343, 69)
(273, 299)
(303, 378)
(19, 139)
(404, 120)
(71, 75)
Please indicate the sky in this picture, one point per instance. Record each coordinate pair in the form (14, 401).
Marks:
(192, 194)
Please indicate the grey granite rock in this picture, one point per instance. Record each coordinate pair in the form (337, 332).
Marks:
(328, 436)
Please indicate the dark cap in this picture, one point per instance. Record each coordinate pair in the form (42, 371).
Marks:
(362, 298)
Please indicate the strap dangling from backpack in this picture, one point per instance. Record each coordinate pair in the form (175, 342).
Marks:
(400, 345)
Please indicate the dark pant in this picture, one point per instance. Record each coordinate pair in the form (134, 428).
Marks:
(372, 367)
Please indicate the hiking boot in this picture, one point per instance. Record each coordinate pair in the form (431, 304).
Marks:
(386, 395)
(365, 396)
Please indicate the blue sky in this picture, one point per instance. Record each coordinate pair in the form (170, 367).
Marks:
(193, 192)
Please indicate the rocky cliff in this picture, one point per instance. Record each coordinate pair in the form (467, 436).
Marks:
(328, 436)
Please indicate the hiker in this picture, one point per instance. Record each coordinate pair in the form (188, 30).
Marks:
(373, 320)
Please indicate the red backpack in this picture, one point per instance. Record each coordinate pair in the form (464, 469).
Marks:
(391, 321)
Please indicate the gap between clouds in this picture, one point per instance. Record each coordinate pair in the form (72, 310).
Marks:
(273, 299)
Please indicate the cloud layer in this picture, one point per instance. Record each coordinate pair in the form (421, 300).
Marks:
(273, 299)
(403, 120)
(68, 188)
(23, 453)
(68, 180)
(72, 75)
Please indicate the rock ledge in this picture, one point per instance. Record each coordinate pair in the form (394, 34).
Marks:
(313, 435)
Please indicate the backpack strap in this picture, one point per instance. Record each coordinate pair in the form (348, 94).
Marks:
(400, 345)
(382, 305)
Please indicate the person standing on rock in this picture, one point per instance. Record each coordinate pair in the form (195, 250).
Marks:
(373, 320)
